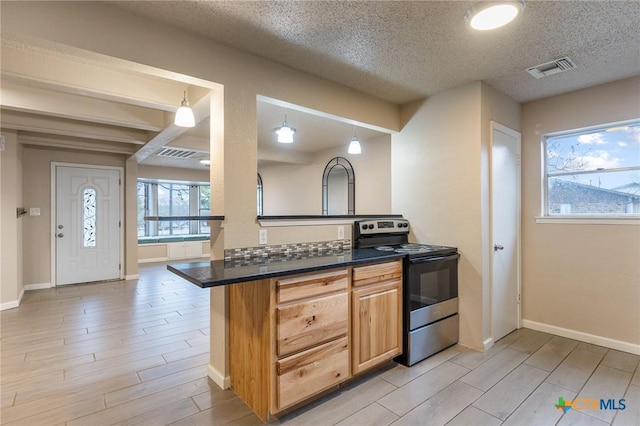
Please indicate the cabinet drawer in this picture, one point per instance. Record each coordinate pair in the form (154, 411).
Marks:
(379, 272)
(307, 373)
(289, 289)
(308, 323)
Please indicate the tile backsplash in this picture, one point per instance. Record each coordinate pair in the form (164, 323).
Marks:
(319, 247)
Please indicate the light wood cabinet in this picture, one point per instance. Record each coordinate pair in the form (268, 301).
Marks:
(294, 337)
(288, 338)
(376, 315)
(306, 373)
(312, 325)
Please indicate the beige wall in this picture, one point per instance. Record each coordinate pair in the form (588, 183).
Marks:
(582, 278)
(440, 183)
(436, 168)
(243, 76)
(11, 163)
(37, 178)
(158, 252)
(293, 189)
(173, 173)
(101, 29)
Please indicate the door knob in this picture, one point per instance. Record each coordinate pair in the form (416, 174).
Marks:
(497, 247)
(60, 235)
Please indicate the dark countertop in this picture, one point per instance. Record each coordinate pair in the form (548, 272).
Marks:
(219, 272)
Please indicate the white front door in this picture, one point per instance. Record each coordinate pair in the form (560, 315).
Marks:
(505, 203)
(87, 224)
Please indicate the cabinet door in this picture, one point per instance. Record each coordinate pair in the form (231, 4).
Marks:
(310, 372)
(377, 322)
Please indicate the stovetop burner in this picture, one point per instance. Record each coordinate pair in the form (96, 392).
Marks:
(417, 249)
(392, 235)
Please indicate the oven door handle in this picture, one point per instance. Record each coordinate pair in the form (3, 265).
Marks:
(431, 259)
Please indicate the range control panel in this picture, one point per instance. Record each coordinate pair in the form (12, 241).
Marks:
(382, 226)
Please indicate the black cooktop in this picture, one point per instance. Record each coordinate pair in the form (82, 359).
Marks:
(419, 250)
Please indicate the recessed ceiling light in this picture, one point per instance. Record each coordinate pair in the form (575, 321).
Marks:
(205, 161)
(490, 15)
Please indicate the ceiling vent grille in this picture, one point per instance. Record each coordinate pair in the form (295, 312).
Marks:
(176, 153)
(551, 68)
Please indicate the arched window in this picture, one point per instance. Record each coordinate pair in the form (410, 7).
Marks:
(338, 188)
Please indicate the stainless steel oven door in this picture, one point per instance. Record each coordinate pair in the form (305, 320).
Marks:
(431, 282)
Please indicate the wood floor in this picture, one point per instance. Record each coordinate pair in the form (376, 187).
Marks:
(136, 352)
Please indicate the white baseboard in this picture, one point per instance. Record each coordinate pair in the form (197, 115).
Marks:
(153, 260)
(166, 259)
(131, 277)
(13, 303)
(488, 343)
(9, 305)
(38, 286)
(223, 381)
(583, 337)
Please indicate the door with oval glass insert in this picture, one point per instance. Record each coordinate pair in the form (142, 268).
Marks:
(87, 225)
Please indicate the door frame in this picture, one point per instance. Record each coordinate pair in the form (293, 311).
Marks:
(52, 229)
(508, 131)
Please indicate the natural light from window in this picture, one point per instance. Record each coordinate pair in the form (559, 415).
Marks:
(165, 198)
(593, 172)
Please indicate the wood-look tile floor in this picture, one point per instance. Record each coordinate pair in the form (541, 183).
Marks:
(136, 352)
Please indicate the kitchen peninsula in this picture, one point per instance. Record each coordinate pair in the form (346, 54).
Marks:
(301, 325)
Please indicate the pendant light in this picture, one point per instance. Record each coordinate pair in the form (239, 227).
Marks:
(284, 132)
(354, 145)
(495, 14)
(184, 114)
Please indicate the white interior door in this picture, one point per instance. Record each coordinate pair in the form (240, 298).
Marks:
(87, 224)
(505, 201)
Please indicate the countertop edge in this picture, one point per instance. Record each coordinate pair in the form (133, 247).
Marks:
(274, 274)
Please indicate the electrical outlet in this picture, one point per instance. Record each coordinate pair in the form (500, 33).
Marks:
(262, 237)
(341, 232)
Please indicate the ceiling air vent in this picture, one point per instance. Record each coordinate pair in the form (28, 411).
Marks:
(176, 153)
(551, 68)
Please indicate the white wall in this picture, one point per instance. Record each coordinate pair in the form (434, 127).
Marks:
(579, 280)
(11, 282)
(297, 189)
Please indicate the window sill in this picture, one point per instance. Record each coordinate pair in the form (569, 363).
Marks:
(172, 239)
(588, 220)
(315, 220)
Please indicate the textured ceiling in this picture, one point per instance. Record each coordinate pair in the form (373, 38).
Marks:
(396, 50)
(407, 50)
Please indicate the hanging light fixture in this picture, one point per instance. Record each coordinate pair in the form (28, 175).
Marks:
(284, 132)
(493, 14)
(354, 145)
(184, 114)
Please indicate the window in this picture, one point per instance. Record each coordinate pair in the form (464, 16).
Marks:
(593, 172)
(163, 198)
(259, 189)
(89, 217)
